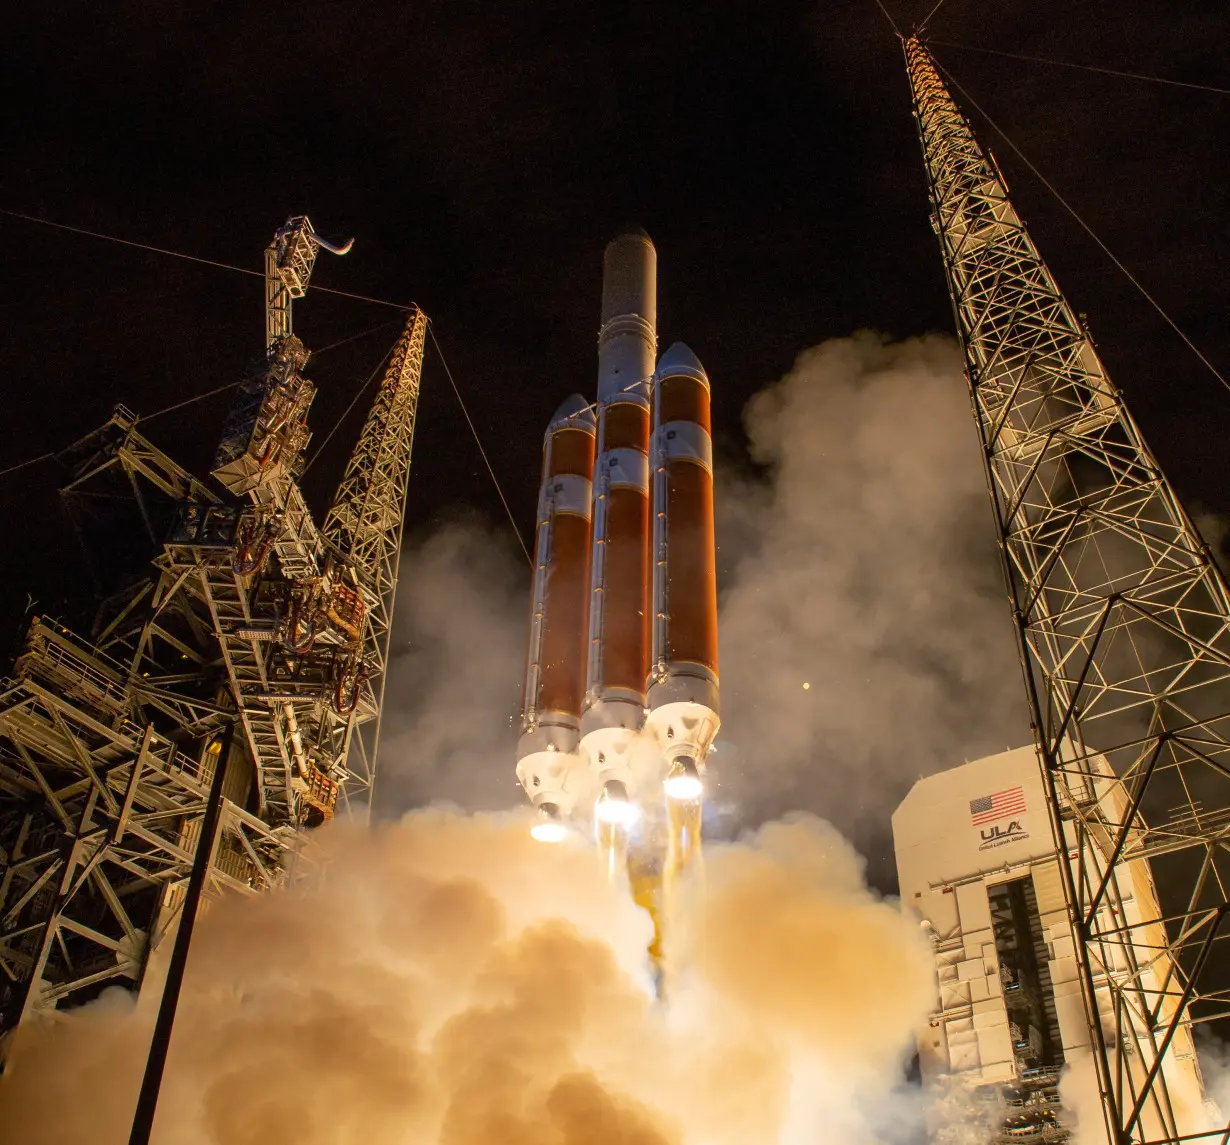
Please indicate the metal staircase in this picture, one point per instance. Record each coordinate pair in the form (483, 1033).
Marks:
(243, 650)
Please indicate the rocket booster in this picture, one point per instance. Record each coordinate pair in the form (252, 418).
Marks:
(619, 626)
(547, 762)
(621, 683)
(682, 688)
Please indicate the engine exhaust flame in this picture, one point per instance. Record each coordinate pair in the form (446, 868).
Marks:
(683, 782)
(549, 831)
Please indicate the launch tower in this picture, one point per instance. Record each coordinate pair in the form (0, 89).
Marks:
(258, 643)
(1123, 627)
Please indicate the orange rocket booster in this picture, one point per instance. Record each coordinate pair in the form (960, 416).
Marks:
(682, 688)
(685, 566)
(619, 621)
(547, 764)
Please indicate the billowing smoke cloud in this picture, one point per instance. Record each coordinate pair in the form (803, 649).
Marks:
(447, 980)
(864, 568)
(454, 688)
(1214, 1060)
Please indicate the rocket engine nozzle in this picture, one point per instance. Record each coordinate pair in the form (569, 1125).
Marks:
(614, 808)
(683, 781)
(548, 828)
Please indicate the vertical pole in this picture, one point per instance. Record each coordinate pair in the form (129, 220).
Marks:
(160, 1042)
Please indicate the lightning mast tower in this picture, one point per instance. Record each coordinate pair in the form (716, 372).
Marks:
(364, 527)
(1123, 627)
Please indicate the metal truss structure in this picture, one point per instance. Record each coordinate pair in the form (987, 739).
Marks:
(1123, 626)
(364, 526)
(105, 770)
(289, 260)
(255, 636)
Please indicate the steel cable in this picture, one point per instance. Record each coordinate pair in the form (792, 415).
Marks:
(1087, 228)
(1081, 67)
(192, 257)
(477, 441)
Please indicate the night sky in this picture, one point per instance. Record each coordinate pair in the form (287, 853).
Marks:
(482, 154)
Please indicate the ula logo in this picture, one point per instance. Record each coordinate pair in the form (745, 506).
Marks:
(996, 833)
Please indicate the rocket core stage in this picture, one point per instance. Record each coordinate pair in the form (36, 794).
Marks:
(621, 683)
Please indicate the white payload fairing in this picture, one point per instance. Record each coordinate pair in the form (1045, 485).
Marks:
(621, 684)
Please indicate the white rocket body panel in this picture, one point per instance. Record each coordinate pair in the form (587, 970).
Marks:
(684, 729)
(625, 469)
(555, 777)
(616, 754)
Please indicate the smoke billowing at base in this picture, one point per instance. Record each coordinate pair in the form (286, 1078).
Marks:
(445, 979)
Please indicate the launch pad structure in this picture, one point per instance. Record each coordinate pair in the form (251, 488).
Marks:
(236, 635)
(1122, 621)
(241, 642)
(979, 868)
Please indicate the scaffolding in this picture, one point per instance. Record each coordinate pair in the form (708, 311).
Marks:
(232, 634)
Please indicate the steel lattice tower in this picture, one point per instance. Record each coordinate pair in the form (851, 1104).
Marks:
(1123, 627)
(255, 646)
(364, 524)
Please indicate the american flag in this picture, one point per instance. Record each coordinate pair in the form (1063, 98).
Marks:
(987, 808)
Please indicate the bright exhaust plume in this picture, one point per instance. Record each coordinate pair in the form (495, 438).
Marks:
(547, 831)
(616, 812)
(684, 787)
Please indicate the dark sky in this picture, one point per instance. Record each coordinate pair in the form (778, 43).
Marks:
(481, 154)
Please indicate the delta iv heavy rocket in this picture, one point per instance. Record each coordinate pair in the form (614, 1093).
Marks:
(621, 683)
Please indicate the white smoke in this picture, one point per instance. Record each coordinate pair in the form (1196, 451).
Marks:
(866, 569)
(448, 980)
(1082, 1102)
(1213, 1056)
(454, 687)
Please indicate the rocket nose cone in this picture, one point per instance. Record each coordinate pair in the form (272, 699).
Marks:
(679, 359)
(574, 410)
(630, 277)
(635, 231)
